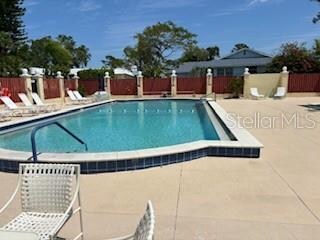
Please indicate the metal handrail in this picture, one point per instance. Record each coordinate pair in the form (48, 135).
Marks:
(35, 129)
(205, 96)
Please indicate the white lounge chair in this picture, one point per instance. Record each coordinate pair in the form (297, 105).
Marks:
(73, 98)
(101, 96)
(23, 97)
(254, 93)
(17, 111)
(145, 228)
(80, 98)
(39, 103)
(47, 198)
(281, 92)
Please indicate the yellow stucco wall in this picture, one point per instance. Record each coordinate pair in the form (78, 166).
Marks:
(266, 83)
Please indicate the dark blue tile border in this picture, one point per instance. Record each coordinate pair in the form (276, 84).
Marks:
(92, 167)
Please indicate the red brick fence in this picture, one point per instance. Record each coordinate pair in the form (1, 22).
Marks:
(304, 82)
(297, 82)
(14, 85)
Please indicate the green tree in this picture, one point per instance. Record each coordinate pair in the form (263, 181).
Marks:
(296, 57)
(316, 48)
(239, 46)
(156, 46)
(195, 54)
(50, 54)
(213, 52)
(11, 12)
(317, 17)
(12, 55)
(12, 37)
(111, 62)
(80, 55)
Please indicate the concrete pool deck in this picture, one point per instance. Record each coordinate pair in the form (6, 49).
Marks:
(274, 197)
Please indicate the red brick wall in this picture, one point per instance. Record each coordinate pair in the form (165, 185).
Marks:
(90, 85)
(123, 86)
(156, 85)
(220, 85)
(51, 88)
(191, 84)
(15, 86)
(304, 82)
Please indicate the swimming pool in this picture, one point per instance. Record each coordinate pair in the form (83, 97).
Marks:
(128, 135)
(122, 126)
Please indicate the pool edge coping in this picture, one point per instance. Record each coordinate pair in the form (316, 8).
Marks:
(244, 140)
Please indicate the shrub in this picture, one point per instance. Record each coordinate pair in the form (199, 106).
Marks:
(82, 90)
(93, 73)
(236, 87)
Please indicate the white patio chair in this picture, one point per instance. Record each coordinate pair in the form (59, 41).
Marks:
(79, 97)
(281, 92)
(39, 103)
(145, 228)
(17, 111)
(73, 98)
(101, 96)
(254, 93)
(47, 198)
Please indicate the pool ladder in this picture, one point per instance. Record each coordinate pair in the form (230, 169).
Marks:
(35, 130)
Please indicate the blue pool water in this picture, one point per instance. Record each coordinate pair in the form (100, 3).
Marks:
(121, 126)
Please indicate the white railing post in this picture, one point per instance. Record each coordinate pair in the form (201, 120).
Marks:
(140, 84)
(173, 83)
(76, 79)
(107, 84)
(209, 82)
(284, 78)
(27, 82)
(246, 85)
(40, 88)
(61, 87)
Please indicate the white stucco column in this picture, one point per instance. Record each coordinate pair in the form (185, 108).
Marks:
(140, 84)
(246, 86)
(209, 82)
(107, 86)
(76, 79)
(173, 83)
(284, 78)
(27, 82)
(40, 88)
(61, 87)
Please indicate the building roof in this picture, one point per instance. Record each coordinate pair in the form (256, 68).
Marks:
(227, 61)
(244, 62)
(122, 71)
(36, 70)
(74, 71)
(262, 54)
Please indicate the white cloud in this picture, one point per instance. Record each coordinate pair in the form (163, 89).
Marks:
(30, 3)
(151, 4)
(253, 2)
(249, 6)
(88, 5)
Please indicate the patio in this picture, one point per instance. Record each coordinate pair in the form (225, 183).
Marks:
(274, 197)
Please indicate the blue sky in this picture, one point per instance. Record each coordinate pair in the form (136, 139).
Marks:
(107, 26)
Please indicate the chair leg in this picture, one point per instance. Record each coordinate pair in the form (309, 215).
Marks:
(80, 215)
